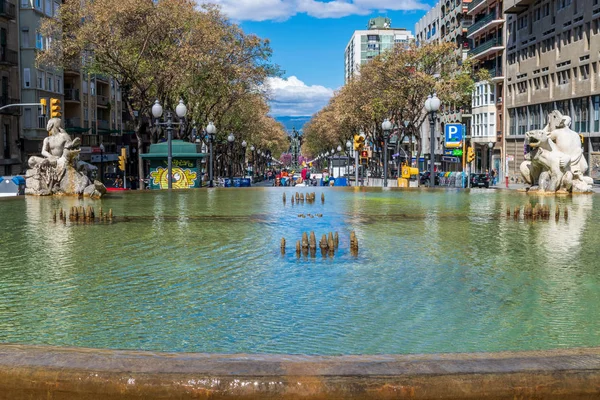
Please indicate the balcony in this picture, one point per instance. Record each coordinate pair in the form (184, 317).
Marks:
(496, 73)
(72, 95)
(8, 57)
(102, 101)
(517, 6)
(476, 6)
(487, 47)
(7, 10)
(103, 124)
(489, 21)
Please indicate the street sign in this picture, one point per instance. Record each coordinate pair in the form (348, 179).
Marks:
(454, 135)
(450, 159)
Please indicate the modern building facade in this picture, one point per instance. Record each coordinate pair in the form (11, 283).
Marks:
(446, 21)
(553, 62)
(487, 37)
(368, 44)
(10, 143)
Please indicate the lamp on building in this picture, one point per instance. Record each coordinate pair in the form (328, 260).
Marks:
(432, 106)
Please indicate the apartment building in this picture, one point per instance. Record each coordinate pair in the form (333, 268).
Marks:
(368, 44)
(553, 57)
(92, 110)
(10, 143)
(91, 105)
(449, 21)
(487, 37)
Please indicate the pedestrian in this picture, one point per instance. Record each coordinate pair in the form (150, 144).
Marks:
(494, 177)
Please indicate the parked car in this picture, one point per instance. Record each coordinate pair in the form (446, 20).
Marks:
(480, 180)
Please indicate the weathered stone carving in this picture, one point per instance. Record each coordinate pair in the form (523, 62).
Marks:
(556, 163)
(57, 171)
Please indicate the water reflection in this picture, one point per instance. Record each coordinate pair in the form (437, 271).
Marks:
(201, 270)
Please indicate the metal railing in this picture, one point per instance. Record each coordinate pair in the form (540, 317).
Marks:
(7, 10)
(72, 94)
(73, 123)
(102, 100)
(486, 46)
(482, 22)
(7, 56)
(475, 3)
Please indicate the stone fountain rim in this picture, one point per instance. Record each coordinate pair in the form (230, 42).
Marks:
(152, 362)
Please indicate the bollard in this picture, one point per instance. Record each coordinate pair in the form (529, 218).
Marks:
(336, 240)
(322, 197)
(312, 241)
(282, 245)
(298, 248)
(283, 197)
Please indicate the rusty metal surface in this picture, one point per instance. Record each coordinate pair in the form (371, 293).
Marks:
(34, 372)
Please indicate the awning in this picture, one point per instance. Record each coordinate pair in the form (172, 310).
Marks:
(77, 130)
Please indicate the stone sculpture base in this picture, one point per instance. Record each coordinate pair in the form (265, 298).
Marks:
(43, 181)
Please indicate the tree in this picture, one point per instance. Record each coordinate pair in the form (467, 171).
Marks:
(163, 50)
(393, 85)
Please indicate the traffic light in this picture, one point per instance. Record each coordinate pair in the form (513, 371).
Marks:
(359, 142)
(44, 104)
(55, 110)
(364, 157)
(122, 159)
(581, 137)
(470, 155)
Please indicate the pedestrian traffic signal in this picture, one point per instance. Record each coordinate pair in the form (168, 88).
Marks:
(55, 109)
(44, 104)
(122, 159)
(470, 155)
(359, 142)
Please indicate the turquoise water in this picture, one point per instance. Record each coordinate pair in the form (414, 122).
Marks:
(201, 271)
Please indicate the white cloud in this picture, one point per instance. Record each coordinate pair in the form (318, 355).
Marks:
(262, 10)
(292, 97)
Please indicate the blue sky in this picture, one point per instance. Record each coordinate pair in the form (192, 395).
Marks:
(309, 37)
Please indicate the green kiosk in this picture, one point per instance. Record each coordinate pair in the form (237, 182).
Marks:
(187, 170)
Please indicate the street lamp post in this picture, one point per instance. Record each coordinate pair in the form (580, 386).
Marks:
(432, 105)
(491, 147)
(348, 147)
(181, 111)
(387, 127)
(102, 162)
(244, 144)
(253, 161)
(230, 139)
(211, 130)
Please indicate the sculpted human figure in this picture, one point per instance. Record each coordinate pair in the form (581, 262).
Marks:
(58, 144)
(556, 162)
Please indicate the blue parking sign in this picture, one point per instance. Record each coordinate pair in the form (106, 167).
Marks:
(454, 135)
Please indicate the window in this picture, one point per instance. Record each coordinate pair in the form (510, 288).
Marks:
(522, 120)
(25, 3)
(25, 37)
(84, 86)
(50, 83)
(56, 8)
(48, 8)
(563, 77)
(40, 79)
(58, 85)
(581, 114)
(534, 117)
(38, 4)
(48, 42)
(584, 72)
(511, 122)
(39, 41)
(545, 81)
(26, 77)
(596, 118)
(27, 118)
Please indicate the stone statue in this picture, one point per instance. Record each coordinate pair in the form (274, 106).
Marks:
(57, 172)
(556, 163)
